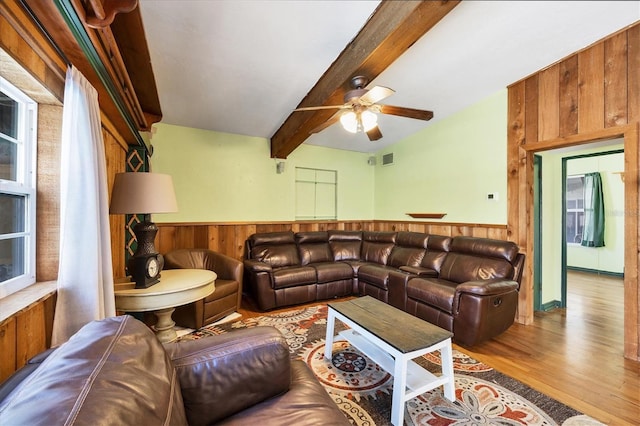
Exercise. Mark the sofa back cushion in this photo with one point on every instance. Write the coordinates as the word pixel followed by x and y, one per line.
pixel 437 248
pixel 409 250
pixel 479 259
pixel 345 245
pixel 377 246
pixel 278 249
pixel 111 371
pixel 313 247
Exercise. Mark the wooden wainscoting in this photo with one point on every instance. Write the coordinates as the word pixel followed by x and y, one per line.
pixel 590 96
pixel 26 334
pixel 229 238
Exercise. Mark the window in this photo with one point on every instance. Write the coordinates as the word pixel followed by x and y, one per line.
pixel 316 194
pixel 575 209
pixel 18 114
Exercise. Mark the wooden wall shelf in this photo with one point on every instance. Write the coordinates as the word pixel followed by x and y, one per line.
pixel 427 215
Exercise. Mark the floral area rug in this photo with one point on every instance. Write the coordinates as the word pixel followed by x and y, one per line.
pixel 363 390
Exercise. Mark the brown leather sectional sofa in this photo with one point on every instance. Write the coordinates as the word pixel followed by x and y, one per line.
pixel 115 371
pixel 466 285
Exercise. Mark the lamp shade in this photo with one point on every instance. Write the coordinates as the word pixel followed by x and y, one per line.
pixel 143 193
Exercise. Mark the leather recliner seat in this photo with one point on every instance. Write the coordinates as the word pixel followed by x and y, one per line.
pixel 227 296
pixel 115 371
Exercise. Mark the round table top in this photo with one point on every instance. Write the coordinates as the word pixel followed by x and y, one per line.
pixel 176 287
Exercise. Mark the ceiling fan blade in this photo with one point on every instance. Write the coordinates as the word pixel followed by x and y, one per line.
pixel 406 112
pixel 374 134
pixel 316 108
pixel 376 94
pixel 332 120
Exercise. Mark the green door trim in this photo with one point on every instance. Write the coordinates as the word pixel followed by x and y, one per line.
pixel 537 229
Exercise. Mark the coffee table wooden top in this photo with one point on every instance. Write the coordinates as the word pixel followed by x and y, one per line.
pixel 401 330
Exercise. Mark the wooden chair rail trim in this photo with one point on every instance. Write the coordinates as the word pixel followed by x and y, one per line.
pixel 293 222
pixel 24 299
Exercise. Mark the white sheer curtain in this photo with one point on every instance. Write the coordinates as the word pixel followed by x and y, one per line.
pixel 85 277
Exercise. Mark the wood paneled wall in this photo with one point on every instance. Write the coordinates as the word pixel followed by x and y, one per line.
pixel 590 96
pixel 25 334
pixel 229 238
pixel 29 331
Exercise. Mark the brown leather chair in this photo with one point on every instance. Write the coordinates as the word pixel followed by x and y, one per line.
pixel 223 301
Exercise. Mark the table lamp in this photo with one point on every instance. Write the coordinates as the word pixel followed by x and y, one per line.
pixel 144 193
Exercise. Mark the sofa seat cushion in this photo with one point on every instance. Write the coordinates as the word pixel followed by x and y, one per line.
pixel 293 276
pixel 377 275
pixel 111 371
pixel 306 403
pixel 332 271
pixel 432 291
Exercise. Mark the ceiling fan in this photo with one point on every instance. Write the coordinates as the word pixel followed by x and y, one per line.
pixel 360 109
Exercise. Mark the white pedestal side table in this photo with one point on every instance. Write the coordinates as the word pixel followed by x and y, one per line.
pixel 176 287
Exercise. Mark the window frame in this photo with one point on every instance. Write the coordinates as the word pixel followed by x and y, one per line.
pixel 575 210
pixel 24 185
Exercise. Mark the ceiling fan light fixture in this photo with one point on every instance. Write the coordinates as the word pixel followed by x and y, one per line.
pixel 369 120
pixel 349 121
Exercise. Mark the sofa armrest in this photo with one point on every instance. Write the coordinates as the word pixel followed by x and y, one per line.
pixel 487 287
pixel 257 266
pixel 420 271
pixel 227 267
pixel 224 374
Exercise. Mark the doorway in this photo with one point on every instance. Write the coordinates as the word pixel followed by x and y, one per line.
pixel 557 248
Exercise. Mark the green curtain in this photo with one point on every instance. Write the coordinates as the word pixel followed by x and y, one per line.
pixel 593 235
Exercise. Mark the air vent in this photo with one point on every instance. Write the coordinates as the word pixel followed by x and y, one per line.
pixel 387 159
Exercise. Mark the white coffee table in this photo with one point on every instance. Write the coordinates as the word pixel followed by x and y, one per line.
pixel 392 339
pixel 176 287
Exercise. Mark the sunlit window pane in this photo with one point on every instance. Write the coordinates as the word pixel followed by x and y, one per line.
pixel 8 159
pixel 12 219
pixel 12 258
pixel 8 115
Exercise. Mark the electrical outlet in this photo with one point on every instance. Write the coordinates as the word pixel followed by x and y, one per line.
pixel 492 196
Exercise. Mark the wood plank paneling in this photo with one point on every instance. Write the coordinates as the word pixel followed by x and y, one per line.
pixel 591 89
pixel 516 135
pixel 526 99
pixel 615 80
pixel 633 76
pixel 30 327
pixel 549 103
pixel 569 96
pixel 8 344
pixel 599 89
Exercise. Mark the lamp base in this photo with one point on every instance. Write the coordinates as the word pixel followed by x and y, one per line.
pixel 146 263
pixel 145 233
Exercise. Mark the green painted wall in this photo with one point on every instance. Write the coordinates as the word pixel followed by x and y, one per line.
pixel 226 177
pixel 449 167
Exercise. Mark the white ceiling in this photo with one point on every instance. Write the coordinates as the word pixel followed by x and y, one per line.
pixel 242 66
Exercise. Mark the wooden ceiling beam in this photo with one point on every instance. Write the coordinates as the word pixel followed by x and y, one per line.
pixel 390 31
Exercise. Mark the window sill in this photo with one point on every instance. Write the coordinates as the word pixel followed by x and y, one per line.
pixel 23 299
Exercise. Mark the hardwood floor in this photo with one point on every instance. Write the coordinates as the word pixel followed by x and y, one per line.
pixel 574 355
